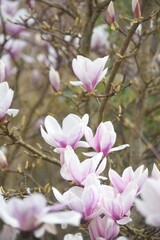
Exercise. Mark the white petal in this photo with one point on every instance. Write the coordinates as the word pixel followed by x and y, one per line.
pixel 101 166
pixel 82 144
pixel 12 112
pixel 67 217
pixel 85 119
pixel 57 195
pixel 48 138
pixel 76 83
pixel 118 148
pixel 77 236
pixel 4 87
pixel 90 154
pixel 52 125
pixel 69 122
pixel 124 220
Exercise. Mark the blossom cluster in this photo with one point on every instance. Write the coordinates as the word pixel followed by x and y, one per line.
pixel 99 200
pixel 102 202
pixel 104 208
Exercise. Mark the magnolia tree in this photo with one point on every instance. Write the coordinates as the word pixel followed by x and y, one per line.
pixel 79 105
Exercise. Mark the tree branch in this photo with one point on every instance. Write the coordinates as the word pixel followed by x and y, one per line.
pixel 19 141
pixel 115 69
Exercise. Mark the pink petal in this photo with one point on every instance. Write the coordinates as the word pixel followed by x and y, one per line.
pixel 116 180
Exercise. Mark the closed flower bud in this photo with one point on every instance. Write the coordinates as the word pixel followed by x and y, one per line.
pixel 136 9
pixel 110 14
pixel 54 79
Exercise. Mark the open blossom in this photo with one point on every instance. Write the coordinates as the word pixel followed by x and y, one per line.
pixel 11 27
pixel 14 47
pixel 103 228
pixel 6 97
pixel 76 171
pixel 71 132
pixel 11 13
pixel 89 73
pixel 82 200
pixel 32 214
pixel 103 140
pixel 54 79
pixel 149 205
pixel 120 183
pixel 99 40
pixel 116 205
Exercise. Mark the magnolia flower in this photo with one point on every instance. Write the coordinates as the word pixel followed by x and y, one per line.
pixel 2 71
pixel 117 206
pixel 76 171
pixel 103 140
pixel 71 132
pixel 8 8
pixel 6 97
pixel 136 9
pixel 11 12
pixel 14 46
pixel 77 236
pixel 149 205
pixel 31 214
pixel 90 73
pixel 110 14
pixel 12 28
pixel 128 175
pixel 54 79
pixel 99 40
pixel 103 228
pixel 82 200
